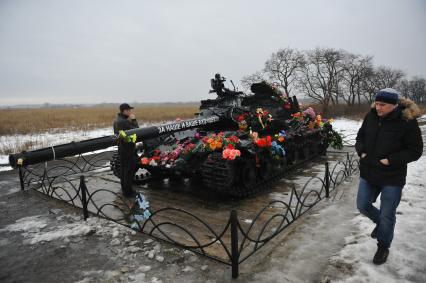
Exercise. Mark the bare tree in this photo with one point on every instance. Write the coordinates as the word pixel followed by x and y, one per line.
pixel 404 88
pixel 284 67
pixel 418 89
pixel 382 77
pixel 247 81
pixel 321 75
pixel 414 89
pixel 356 69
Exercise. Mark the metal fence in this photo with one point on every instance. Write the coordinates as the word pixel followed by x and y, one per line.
pixel 66 180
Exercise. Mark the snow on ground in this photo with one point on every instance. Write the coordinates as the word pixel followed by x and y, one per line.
pixel 32 228
pixel 347 128
pixel 406 259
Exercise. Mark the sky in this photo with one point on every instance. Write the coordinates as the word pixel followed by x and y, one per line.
pixel 157 51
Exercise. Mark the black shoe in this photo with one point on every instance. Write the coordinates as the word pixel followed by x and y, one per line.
pixel 374 233
pixel 381 255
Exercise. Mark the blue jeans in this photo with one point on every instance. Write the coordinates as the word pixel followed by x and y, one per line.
pixel 385 217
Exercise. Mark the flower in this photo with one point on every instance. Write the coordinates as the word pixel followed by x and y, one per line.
pixel 277 149
pixel 147 214
pixel 287 105
pixel 264 142
pixel 230 154
pixel 225 153
pixel 145 161
pixel 318 120
pixel 142 202
pixel 310 113
pixel 242 117
pixel 242 125
pixel 233 139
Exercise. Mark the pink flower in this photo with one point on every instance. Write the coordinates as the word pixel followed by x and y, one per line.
pixel 310 112
pixel 225 153
pixel 230 154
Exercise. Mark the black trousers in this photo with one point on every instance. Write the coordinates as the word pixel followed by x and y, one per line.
pixel 127 157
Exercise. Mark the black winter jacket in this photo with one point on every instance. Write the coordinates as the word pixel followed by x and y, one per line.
pixel 121 123
pixel 397 137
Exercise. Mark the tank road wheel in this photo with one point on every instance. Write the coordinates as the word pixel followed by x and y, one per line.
pixel 248 175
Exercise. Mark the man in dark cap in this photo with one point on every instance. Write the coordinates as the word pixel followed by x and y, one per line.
pixel 388 139
pixel 126 120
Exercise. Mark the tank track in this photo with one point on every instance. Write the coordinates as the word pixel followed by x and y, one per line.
pixel 219 174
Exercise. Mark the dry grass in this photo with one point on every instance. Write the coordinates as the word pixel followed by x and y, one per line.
pixel 32 121
pixel 422 107
pixel 354 112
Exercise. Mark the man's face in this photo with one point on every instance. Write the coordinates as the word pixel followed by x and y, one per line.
pixel 127 112
pixel 383 108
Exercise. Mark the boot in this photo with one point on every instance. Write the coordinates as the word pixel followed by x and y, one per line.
pixel 381 255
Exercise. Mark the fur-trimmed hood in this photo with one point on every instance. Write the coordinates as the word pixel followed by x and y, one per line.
pixel 409 108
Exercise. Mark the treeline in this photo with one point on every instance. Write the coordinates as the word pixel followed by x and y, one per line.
pixel 333 77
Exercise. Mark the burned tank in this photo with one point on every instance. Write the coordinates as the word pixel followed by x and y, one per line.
pixel 237 144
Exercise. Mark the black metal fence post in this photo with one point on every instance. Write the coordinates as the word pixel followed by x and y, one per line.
pixel 235 257
pixel 347 164
pixel 21 178
pixel 83 189
pixel 327 180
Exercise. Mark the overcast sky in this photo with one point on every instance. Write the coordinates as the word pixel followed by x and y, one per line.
pixel 154 51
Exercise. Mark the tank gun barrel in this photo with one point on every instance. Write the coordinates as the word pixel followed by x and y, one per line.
pixel 74 148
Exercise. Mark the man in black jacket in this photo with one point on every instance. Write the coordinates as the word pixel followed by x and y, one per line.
pixel 388 139
pixel 126 120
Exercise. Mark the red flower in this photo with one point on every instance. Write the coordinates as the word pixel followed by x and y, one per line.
pixel 156 158
pixel 264 142
pixel 230 146
pixel 241 118
pixel 234 139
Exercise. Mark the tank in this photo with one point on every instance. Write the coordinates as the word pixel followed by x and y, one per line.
pixel 237 144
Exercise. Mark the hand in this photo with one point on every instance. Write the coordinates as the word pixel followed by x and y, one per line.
pixel 384 161
pixel 132 116
pixel 363 155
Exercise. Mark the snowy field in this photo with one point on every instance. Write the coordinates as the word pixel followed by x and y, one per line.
pixel 48 139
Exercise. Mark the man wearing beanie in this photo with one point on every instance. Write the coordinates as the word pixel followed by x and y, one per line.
pixel 388 139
